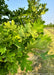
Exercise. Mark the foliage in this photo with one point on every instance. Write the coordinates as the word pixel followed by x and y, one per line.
pixel 32 14
pixel 21 37
pixel 49 25
pixel 4 11
pixel 17 41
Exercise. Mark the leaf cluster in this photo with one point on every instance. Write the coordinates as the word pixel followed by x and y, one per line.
pixel 16 42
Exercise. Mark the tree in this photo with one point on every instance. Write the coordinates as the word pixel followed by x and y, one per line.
pixel 17 40
pixel 33 13
pixel 36 9
pixel 4 11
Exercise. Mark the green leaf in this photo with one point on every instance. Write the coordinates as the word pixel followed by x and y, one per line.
pixel 10 57
pixel 2 50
